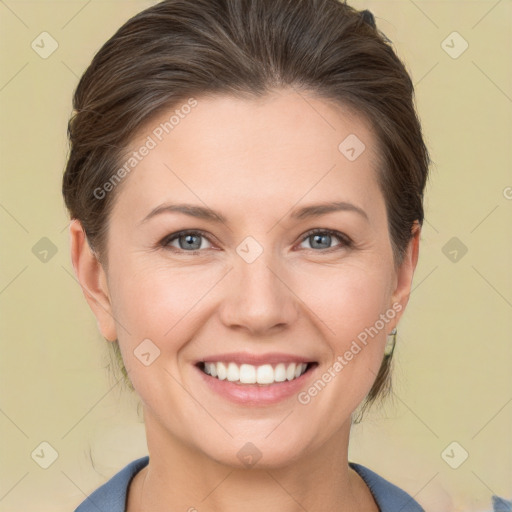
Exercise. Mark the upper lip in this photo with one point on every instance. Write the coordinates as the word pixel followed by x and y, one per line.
pixel 255 359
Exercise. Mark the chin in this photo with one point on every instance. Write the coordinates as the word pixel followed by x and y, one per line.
pixel 277 450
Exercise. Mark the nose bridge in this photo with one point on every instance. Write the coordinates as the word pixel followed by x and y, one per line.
pixel 258 298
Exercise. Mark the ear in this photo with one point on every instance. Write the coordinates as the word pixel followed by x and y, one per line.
pixel 92 279
pixel 405 273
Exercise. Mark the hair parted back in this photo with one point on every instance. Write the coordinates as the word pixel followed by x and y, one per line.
pixel 179 49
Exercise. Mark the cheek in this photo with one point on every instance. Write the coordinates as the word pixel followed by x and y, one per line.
pixel 156 307
pixel 157 302
pixel 352 306
pixel 347 299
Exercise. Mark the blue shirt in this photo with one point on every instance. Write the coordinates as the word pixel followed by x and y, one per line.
pixel 111 496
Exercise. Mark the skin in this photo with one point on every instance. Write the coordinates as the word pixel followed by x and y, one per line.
pixel 253 161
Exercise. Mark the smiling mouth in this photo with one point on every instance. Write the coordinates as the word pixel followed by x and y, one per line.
pixel 263 375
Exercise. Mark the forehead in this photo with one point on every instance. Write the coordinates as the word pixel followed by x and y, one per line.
pixel 240 151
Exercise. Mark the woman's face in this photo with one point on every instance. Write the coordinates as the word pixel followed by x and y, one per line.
pixel 257 294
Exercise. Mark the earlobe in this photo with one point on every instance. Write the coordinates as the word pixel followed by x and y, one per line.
pixel 92 279
pixel 405 272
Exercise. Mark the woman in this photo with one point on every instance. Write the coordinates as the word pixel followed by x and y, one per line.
pixel 245 184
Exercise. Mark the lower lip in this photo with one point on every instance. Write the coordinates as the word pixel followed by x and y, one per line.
pixel 254 394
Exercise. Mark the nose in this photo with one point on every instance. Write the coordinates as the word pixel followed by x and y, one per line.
pixel 260 298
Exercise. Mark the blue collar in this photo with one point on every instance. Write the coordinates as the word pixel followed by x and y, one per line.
pixel 111 496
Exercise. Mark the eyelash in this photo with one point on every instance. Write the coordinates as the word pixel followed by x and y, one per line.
pixel 346 241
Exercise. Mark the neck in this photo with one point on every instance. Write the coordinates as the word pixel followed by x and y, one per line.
pixel 178 477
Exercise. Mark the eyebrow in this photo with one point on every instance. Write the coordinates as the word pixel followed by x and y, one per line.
pixel 204 213
pixel 316 210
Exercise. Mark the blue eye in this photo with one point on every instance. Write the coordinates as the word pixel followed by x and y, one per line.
pixel 322 238
pixel 188 241
pixel 193 241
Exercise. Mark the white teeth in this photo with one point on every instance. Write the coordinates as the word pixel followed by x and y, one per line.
pixel 210 369
pixel 247 374
pixel 290 371
pixel 221 370
pixel 280 373
pixel 265 374
pixel 233 373
pixel 250 374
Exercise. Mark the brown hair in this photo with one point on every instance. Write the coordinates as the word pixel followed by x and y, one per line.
pixel 178 49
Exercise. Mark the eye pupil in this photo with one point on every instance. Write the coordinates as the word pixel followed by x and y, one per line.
pixel 319 238
pixel 192 241
pixel 189 243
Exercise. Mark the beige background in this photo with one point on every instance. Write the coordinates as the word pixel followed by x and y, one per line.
pixel 453 379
